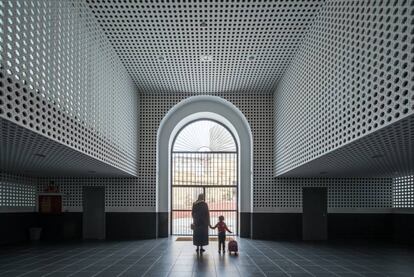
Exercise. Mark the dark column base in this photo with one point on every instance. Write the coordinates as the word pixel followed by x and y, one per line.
pixel 245 225
pixel 162 224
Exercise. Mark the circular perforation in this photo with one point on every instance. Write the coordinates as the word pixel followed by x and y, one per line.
pixel 205 46
pixel 61 78
pixel 352 75
pixel 403 192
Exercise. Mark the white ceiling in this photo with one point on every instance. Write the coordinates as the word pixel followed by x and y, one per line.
pixel 205 47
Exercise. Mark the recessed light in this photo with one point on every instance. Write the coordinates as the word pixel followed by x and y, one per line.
pixel 40 155
pixel 206 58
pixel 377 156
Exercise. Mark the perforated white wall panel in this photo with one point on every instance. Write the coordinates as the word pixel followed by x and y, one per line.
pixel 280 194
pixel 352 75
pixel 121 194
pixel 17 193
pixel 257 108
pixel 403 192
pixel 61 78
pixel 268 193
pixel 342 193
pixel 205 46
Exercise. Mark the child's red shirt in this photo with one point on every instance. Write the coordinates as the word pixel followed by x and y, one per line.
pixel 222 227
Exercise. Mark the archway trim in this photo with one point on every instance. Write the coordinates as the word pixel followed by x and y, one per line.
pixel 190 109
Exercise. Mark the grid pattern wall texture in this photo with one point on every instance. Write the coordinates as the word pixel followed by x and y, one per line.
pixel 205 46
pixel 17 192
pixel 403 192
pixel 61 78
pixel 282 194
pixel 121 194
pixel 352 75
pixel 268 192
pixel 342 192
pixel 258 110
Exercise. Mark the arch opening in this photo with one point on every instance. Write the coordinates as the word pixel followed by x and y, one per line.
pixel 204 159
pixel 225 113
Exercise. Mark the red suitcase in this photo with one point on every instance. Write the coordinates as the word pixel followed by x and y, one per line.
pixel 233 247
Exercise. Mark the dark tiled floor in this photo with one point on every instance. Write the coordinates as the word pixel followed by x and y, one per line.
pixel 166 257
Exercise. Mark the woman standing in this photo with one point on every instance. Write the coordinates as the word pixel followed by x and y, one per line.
pixel 201 222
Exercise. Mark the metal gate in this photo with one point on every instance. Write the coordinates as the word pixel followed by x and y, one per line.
pixel 213 173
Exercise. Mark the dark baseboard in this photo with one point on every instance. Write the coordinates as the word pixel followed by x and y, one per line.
pixel 359 226
pixel 277 226
pixel 288 226
pixel 403 228
pixel 268 226
pixel 15 227
pixel 57 227
pixel 131 225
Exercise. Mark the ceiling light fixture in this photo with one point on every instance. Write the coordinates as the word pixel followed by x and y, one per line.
pixel 251 58
pixel 206 58
pixel 161 58
pixel 203 24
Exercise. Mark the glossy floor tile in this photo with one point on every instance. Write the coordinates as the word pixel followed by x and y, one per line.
pixel 167 257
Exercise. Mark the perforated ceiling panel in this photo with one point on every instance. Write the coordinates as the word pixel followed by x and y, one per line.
pixel 205 46
pixel 353 75
pixel 387 152
pixel 61 78
pixel 26 152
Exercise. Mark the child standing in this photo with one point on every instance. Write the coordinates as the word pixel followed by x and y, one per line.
pixel 222 228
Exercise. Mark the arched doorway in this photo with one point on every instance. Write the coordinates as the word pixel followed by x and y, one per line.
pixel 186 111
pixel 204 159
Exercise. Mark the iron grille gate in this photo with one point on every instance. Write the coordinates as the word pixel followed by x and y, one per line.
pixel 213 173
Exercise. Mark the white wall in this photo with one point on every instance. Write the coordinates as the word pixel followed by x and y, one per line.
pixel 61 78
pixel 351 76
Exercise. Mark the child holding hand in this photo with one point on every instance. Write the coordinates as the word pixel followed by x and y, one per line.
pixel 222 228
